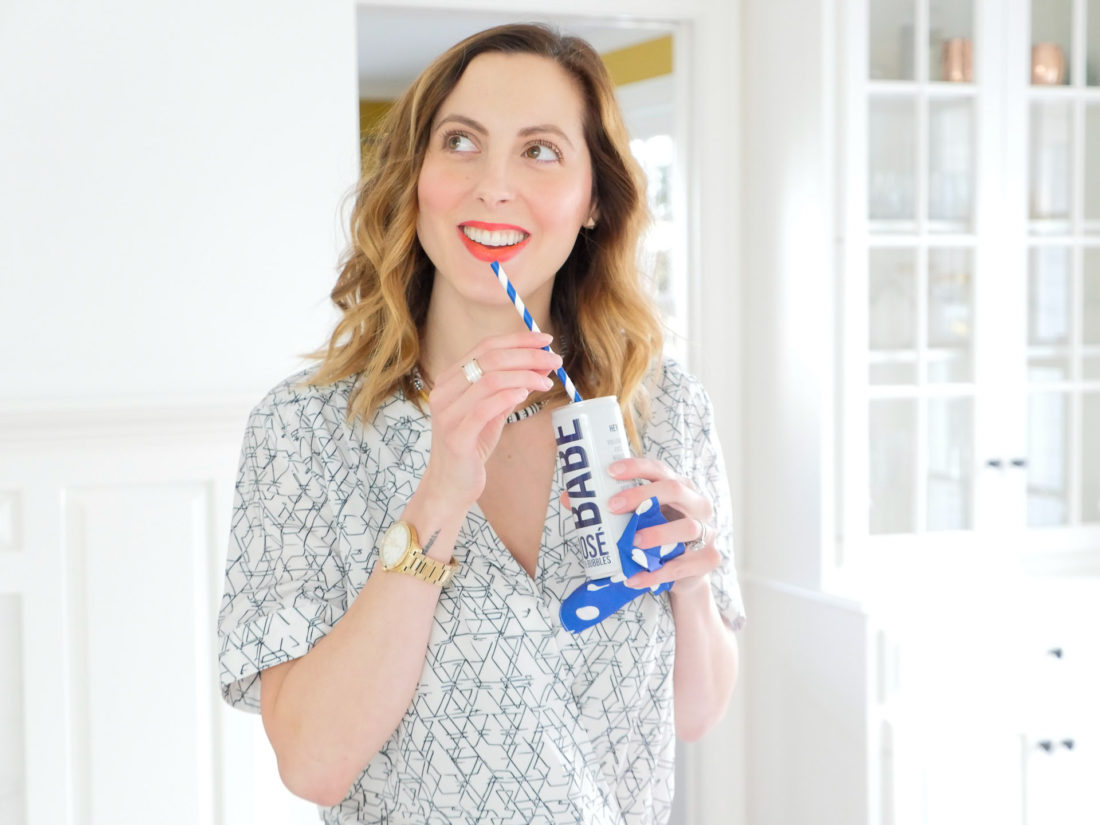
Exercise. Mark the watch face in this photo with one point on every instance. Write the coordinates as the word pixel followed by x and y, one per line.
pixel 394 543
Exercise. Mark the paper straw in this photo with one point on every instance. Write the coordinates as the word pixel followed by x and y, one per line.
pixel 517 302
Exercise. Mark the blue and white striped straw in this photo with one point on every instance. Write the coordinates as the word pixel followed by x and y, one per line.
pixel 521 308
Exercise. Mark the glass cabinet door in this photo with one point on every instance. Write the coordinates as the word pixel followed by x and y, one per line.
pixel 1063 341
pixel 972 272
pixel 920 267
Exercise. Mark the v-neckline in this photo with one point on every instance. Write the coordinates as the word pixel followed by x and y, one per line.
pixel 552 519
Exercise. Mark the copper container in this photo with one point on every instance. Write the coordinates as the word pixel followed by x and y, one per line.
pixel 957 63
pixel 1048 64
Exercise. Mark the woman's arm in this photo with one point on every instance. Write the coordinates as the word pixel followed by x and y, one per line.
pixel 705 670
pixel 330 711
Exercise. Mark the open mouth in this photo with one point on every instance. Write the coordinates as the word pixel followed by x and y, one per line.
pixel 493 244
pixel 494 238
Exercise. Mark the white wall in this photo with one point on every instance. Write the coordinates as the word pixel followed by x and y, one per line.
pixel 788 277
pixel 171 175
pixel 170 181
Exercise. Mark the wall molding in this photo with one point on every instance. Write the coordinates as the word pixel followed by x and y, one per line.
pixel 31 424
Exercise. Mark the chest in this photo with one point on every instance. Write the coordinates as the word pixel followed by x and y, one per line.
pixel 519 480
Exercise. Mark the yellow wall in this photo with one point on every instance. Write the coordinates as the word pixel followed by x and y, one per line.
pixel 642 61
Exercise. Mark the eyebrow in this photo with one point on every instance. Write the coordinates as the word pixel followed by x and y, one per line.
pixel 527 131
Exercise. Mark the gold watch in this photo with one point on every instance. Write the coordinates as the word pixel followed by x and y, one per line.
pixel 401 553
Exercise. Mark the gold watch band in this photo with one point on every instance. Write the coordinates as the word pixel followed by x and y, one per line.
pixel 426 568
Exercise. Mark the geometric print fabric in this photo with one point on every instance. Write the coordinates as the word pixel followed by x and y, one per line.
pixel 515 720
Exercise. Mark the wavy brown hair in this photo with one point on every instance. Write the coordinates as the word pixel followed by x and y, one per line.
pixel 603 319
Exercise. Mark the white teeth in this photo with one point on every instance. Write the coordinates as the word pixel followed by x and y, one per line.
pixel 485 237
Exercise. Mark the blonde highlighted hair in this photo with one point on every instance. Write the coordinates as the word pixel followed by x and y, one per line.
pixel 599 309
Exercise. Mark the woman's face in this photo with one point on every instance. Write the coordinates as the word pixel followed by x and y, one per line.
pixel 507 177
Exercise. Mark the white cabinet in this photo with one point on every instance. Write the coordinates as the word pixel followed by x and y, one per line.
pixel 970 400
pixel 970 276
pixel 961 391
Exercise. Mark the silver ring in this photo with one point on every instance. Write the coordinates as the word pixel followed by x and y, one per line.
pixel 703 539
pixel 472 370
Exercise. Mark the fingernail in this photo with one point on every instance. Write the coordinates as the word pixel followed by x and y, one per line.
pixel 616 502
pixel 635 586
pixel 546 383
pixel 616 467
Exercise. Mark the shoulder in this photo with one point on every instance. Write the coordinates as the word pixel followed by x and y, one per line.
pixel 673 391
pixel 295 404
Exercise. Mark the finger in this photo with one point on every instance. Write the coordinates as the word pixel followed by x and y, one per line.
pixel 512 387
pixel 673 492
pixel 453 382
pixel 646 469
pixel 689 565
pixel 519 358
pixel 683 530
pixel 465 428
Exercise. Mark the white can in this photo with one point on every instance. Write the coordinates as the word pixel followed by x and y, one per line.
pixel 590 435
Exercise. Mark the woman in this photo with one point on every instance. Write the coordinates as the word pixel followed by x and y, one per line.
pixel 398 554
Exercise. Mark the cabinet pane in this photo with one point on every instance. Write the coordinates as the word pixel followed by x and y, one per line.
pixel 950 315
pixel 1049 188
pixel 1051 36
pixel 950 39
pixel 890 44
pixel 1092 57
pixel 892 160
pixel 1090 457
pixel 1049 298
pixel 1048 459
pixel 1049 313
pixel 12 793
pixel 950 463
pixel 1092 164
pixel 950 164
pixel 892 426
pixel 1090 298
pixel 903 370
pixel 891 296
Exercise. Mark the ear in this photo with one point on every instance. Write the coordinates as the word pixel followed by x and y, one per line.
pixel 593 217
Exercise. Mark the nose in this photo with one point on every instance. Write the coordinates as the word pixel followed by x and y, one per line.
pixel 495 184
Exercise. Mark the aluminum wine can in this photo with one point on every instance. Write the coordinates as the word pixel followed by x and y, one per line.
pixel 590 435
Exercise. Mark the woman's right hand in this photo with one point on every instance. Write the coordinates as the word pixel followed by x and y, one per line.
pixel 467 419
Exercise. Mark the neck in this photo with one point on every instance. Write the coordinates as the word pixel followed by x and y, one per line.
pixel 455 324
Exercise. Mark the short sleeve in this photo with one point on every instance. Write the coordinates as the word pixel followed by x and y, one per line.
pixel 710 477
pixel 284 581
pixel 684 436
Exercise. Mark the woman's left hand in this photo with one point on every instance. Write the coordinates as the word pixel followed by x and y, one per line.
pixel 689 516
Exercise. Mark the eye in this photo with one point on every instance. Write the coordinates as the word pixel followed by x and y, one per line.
pixel 458 142
pixel 543 151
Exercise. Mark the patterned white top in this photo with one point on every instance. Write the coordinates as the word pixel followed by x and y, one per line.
pixel 515 719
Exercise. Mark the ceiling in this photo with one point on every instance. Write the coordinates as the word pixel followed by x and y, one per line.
pixel 396 44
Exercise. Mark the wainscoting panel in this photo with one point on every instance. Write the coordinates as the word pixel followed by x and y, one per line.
pixel 114 524
pixel 10 519
pixel 12 743
pixel 141 624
